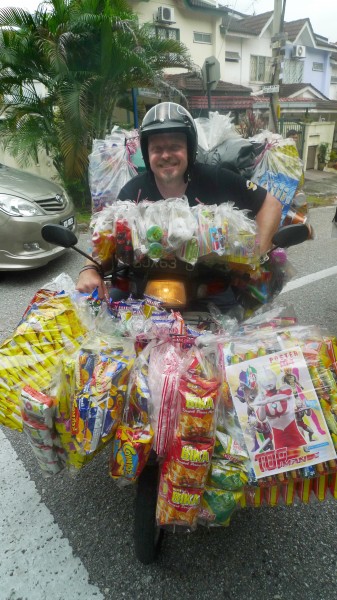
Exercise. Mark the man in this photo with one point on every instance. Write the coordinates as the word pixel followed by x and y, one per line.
pixel 168 139
pixel 293 134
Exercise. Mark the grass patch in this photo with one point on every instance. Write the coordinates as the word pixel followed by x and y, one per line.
pixel 319 201
pixel 83 216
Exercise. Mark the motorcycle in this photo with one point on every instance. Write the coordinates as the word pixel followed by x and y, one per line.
pixel 180 287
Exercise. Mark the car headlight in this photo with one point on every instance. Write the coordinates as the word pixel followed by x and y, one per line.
pixel 18 207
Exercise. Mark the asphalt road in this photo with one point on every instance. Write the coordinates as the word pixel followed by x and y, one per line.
pixel 266 554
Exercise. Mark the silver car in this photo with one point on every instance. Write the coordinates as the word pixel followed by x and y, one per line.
pixel 27 202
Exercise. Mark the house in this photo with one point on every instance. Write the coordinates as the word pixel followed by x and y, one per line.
pixel 197 23
pixel 307 55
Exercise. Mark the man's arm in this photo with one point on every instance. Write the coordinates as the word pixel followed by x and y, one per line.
pixel 268 220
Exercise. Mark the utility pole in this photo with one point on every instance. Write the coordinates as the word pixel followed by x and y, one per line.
pixel 277 42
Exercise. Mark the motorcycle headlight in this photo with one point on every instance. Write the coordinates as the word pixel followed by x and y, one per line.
pixel 18 207
pixel 171 293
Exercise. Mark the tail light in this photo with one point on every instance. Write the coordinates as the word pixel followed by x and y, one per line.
pixel 171 292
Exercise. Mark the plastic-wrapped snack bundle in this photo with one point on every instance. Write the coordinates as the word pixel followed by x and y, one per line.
pixel 37 414
pixel 139 230
pixel 280 171
pixel 130 451
pixel 156 217
pixel 251 345
pixel 124 219
pixel 139 404
pixel 209 239
pixel 181 223
pixel 101 384
pixel 198 395
pixel 189 456
pixel 64 393
pixel 110 169
pixel 164 372
pixel 243 246
pixel 103 233
pixel 50 327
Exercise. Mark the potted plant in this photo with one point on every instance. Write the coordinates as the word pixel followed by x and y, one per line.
pixel 322 155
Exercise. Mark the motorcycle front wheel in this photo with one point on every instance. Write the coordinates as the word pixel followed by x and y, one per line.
pixel 147 535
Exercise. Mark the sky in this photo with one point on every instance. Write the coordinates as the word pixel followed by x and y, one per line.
pixel 322 13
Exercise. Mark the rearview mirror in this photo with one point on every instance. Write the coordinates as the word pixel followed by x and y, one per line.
pixel 59 235
pixel 291 235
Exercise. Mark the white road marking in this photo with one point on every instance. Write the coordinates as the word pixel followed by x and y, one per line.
pixel 36 561
pixel 307 279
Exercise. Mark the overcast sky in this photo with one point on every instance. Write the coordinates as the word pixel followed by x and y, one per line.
pixel 322 13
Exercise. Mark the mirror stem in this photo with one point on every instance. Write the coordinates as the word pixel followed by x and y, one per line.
pixel 88 257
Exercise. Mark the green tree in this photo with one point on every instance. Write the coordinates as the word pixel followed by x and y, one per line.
pixel 63 70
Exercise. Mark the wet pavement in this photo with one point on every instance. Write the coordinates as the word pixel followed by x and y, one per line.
pixel 321 183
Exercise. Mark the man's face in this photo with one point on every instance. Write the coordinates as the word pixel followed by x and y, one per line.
pixel 168 156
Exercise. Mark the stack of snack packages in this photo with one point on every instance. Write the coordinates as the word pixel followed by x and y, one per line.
pixel 187 463
pixel 133 439
pixel 90 394
pixel 49 329
pixel 167 228
pixel 320 354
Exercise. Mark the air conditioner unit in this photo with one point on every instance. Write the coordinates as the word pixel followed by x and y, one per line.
pixel 165 14
pixel 299 51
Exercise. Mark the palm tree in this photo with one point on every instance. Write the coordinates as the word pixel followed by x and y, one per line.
pixel 85 55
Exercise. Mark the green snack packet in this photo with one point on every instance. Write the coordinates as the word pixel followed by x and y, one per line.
pixel 217 506
pixel 226 476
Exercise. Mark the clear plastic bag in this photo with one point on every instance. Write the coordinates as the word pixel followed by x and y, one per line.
pixel 110 168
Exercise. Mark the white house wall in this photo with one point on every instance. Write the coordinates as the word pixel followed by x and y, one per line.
pixel 248 46
pixel 188 22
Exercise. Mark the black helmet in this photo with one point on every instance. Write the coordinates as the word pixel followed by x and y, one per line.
pixel 169 117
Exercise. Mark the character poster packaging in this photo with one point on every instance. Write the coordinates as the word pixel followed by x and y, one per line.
pixel 279 413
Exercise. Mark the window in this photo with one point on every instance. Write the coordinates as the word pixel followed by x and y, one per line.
pixel 232 56
pixel 260 68
pixel 202 38
pixel 168 33
pixel 293 71
pixel 333 79
pixel 317 66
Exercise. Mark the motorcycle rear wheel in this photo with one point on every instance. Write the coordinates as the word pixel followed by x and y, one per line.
pixel 148 536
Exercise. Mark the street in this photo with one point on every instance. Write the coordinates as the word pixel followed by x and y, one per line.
pixel 70 536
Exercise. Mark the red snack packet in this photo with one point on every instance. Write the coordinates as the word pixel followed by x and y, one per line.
pixel 197 413
pixel 188 462
pixel 177 505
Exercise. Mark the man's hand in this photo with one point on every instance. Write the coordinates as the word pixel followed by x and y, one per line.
pixel 90 280
pixel 268 221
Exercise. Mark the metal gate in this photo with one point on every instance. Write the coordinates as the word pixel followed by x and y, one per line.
pixel 287 125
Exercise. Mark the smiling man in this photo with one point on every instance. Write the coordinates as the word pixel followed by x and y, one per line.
pixel 169 143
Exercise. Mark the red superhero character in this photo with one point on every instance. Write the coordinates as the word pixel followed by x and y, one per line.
pixel 247 392
pixel 291 377
pixel 277 406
